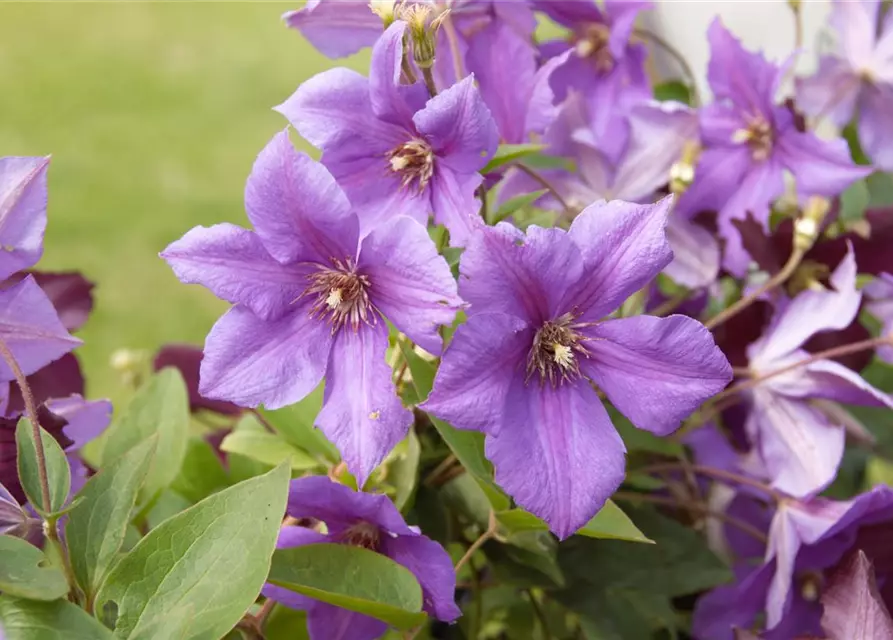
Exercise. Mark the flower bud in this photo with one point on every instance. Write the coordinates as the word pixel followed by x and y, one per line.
pixel 808 226
pixel 14 520
pixel 682 173
pixel 423 28
pixel 385 10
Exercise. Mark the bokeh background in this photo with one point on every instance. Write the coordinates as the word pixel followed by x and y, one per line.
pixel 153 113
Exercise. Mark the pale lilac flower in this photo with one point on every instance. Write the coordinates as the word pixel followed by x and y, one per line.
pixel 513 86
pixel 799 444
pixel 631 161
pixel 750 141
pixel 807 541
pixel 393 151
pixel 29 326
pixel 370 521
pixel 520 368
pixel 14 519
pixel 311 296
pixel 880 295
pixel 859 80
pixel 852 605
pixel 597 58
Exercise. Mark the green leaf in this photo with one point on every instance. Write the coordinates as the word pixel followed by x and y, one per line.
pixel 403 470
pixel 609 523
pixel 252 440
pixel 295 423
pixel 202 473
pixel 285 623
pixel 507 153
pixel 881 187
pixel 26 572
pixel 59 620
pixel 511 205
pixel 528 560
pixel 673 90
pixel 853 201
pixel 58 473
pixel 613 524
pixel 196 574
pixel 351 578
pixel 96 527
pixel 160 406
pixel 422 371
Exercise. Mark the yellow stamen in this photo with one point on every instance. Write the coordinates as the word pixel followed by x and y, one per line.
pixel 334 298
pixel 564 356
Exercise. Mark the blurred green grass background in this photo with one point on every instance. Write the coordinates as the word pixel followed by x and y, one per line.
pixel 154 113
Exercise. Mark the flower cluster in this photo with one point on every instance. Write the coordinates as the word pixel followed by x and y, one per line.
pixel 651 206
pixel 521 284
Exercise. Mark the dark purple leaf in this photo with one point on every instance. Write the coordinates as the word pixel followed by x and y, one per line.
pixel 69 291
pixel 187 359
pixel 58 379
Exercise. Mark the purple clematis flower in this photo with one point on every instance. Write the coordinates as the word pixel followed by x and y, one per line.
pixel 366 520
pixel 860 80
pixel 513 87
pixel 808 541
pixel 597 57
pixel 798 442
pixel 632 161
pixel 311 295
pixel 29 326
pixel 521 368
pixel 749 141
pixel 339 28
pixel 392 152
pixel 880 294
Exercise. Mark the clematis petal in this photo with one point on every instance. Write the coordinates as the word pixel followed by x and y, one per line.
pixel 718 174
pixel 376 193
pixel 86 419
pixel 341 507
pixel 455 204
pixel 559 456
pixel 23 212
pixel 433 568
pixel 31 329
pixel 875 132
pixel 361 412
pixel 504 271
pixel 807 314
pixel 71 295
pixel 297 209
pixel 333 623
pixel 412 285
pixel 820 167
pixel 233 264
pixel 622 15
pixel 570 13
pixel 720 611
pixel 497 48
pixel 658 135
pixel 393 101
pixel 337 28
pixel 801 450
pixel 746 78
pixel 250 361
pixel 853 588
pixel 832 380
pixel 831 92
pixel 675 358
pixel 333 111
pixel 477 370
pixel 695 254
pixel 856 25
pixel 459 127
pixel 624 246
pixel 290 537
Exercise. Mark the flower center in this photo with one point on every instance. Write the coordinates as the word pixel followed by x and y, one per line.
pixel 810 586
pixel 362 534
pixel 758 134
pixel 592 43
pixel 413 161
pixel 342 295
pixel 556 350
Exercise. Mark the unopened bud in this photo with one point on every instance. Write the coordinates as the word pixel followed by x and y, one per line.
pixel 809 224
pixel 423 27
pixel 682 173
pixel 794 5
pixel 384 9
